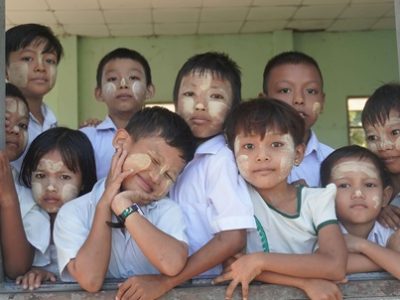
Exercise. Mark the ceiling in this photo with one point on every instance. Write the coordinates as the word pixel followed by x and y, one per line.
pixel 109 18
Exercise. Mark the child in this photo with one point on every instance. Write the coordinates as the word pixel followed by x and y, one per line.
pixel 210 191
pixel 363 187
pixel 150 153
pixel 16 250
pixel 266 136
pixel 381 122
pixel 32 56
pixel 58 167
pixel 123 83
pixel 296 79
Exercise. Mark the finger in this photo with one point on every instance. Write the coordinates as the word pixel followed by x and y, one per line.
pixel 52 277
pixel 31 280
pixel 245 290
pixel 223 277
pixel 131 294
pixel 18 280
pixel 230 289
pixel 121 290
pixel 37 282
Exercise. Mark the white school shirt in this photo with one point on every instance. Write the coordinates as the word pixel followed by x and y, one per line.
pixel 212 195
pixel 293 233
pixel 308 170
pixel 379 235
pixel 36 222
pixel 74 222
pixel 101 138
pixel 35 128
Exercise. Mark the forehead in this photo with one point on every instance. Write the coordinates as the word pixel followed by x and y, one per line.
pixel 392 119
pixel 290 71
pixel 355 165
pixel 205 77
pixel 123 64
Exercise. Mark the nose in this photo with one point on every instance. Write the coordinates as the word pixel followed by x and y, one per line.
pixel 14 129
pixel 123 84
pixel 199 105
pixel 39 64
pixel 298 98
pixel 51 185
pixel 155 175
pixel 357 193
pixel 386 144
pixel 262 156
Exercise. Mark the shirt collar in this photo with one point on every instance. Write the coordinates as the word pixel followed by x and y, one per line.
pixel 106 124
pixel 212 145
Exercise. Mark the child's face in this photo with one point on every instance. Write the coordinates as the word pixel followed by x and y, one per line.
pixel 265 162
pixel 53 183
pixel 204 101
pixel 17 120
pixel 32 70
pixel 384 140
pixel 156 166
pixel 300 86
pixel 123 86
pixel 360 194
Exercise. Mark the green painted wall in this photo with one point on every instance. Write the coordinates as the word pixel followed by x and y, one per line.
pixel 353 64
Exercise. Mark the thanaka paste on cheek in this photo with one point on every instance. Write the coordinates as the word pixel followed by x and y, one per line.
pixel 243 165
pixel 216 109
pixel 18 74
pixel 139 90
pixel 187 106
pixel 109 89
pixel 137 162
pixel 288 156
pixel 341 169
pixel 69 192
pixel 316 108
pixel 37 191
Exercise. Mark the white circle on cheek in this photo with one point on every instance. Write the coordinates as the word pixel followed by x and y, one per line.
pixel 243 165
pixel 109 89
pixel 37 191
pixel 24 138
pixel 137 162
pixel 163 189
pixel 139 90
pixel 52 75
pixel 316 108
pixel 216 109
pixel 187 105
pixel 18 74
pixel 69 192
pixel 376 201
pixel 372 146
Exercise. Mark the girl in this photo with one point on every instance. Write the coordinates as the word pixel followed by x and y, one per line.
pixel 363 187
pixel 58 167
pixel 266 136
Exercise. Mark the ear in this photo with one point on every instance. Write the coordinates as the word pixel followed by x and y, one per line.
pixel 150 91
pixel 262 95
pixel 121 139
pixel 98 94
pixel 299 155
pixel 387 195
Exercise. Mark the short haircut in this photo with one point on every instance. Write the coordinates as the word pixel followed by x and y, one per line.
pixel 75 149
pixel 356 152
pixel 256 116
pixel 21 36
pixel 123 53
pixel 14 92
pixel 161 122
pixel 219 64
pixel 378 106
pixel 288 58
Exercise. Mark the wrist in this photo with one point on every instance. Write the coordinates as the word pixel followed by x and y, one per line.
pixel 124 214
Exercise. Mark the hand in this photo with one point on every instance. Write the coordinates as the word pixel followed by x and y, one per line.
pixel 243 271
pixel 353 243
pixel 127 198
pixel 322 289
pixel 390 217
pixel 227 263
pixel 145 287
pixel 92 122
pixel 34 278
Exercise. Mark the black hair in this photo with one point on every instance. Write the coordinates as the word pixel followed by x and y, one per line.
pixel 256 116
pixel 13 91
pixel 380 103
pixel 219 64
pixel 123 53
pixel 75 149
pixel 22 36
pixel 159 121
pixel 353 151
pixel 286 58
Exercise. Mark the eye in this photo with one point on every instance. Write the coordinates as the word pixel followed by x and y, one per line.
pixel 65 177
pixel 284 91
pixel 188 94
pixel 134 78
pixel 217 96
pixel 276 144
pixel 370 185
pixel 27 58
pixel 39 175
pixel 372 138
pixel 248 146
pixel 343 185
pixel 169 177
pixel 155 161
pixel 23 126
pixel 111 79
pixel 312 91
pixel 395 131
pixel 51 61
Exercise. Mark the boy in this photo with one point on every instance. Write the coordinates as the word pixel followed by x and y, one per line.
pixel 210 191
pixel 381 122
pixel 296 79
pixel 32 56
pixel 150 153
pixel 123 83
pixel 266 136
pixel 17 252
